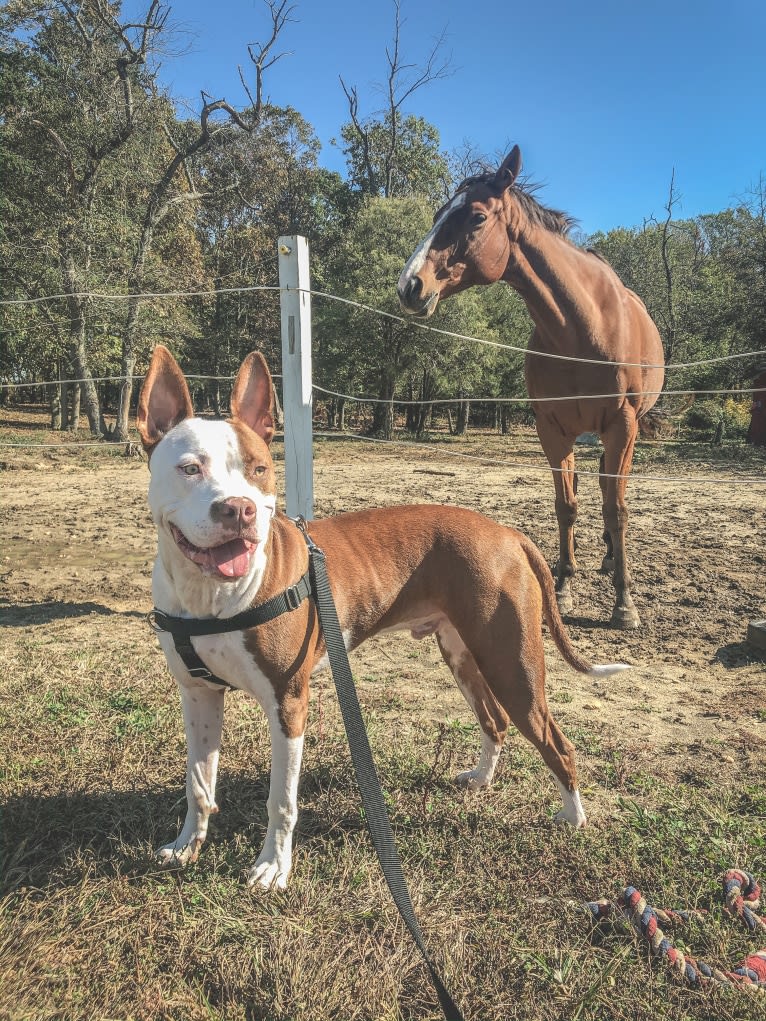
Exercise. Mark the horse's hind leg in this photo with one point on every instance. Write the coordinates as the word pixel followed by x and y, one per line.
pixel 607 564
pixel 492 718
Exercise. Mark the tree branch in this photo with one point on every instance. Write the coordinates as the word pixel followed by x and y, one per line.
pixel 398 92
pixel 259 52
pixel 62 150
pixel 362 133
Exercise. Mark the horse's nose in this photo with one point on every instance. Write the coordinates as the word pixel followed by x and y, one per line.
pixel 411 293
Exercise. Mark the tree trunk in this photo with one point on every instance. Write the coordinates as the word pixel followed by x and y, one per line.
pixel 127 368
pixel 463 411
pixel 73 422
pixel 279 415
pixel 505 420
pixel 383 414
pixel 56 406
pixel 86 389
pixel 424 419
pixel 412 409
pixel 76 308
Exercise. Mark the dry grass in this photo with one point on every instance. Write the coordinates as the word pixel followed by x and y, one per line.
pixel 91 928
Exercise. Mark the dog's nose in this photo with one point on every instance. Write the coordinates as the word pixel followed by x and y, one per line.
pixel 236 512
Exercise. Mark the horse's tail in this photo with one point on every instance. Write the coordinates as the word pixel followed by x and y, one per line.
pixel 660 419
pixel 553 619
pixel 650 424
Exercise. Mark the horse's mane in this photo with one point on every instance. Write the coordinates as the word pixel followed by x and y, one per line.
pixel 524 192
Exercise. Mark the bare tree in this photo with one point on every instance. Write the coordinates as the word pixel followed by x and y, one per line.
pixel 165 194
pixel 402 81
pixel 673 309
pixel 670 311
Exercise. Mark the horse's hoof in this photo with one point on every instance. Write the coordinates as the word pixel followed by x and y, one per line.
pixel 607 566
pixel 565 603
pixel 626 618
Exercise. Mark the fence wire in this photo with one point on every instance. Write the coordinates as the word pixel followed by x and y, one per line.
pixel 408 321
pixel 162 295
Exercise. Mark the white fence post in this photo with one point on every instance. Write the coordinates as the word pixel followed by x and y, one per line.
pixel 295 305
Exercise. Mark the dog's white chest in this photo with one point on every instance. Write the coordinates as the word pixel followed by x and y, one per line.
pixel 227 657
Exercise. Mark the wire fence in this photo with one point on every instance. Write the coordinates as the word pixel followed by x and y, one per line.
pixel 738 479
pixel 366 399
pixel 409 321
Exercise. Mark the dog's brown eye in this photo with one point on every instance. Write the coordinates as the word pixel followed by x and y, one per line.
pixel 478 219
pixel 260 469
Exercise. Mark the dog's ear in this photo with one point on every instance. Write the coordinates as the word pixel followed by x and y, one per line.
pixel 164 400
pixel 252 399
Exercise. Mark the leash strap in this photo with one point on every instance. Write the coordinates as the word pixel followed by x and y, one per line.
pixel 183 629
pixel 364 767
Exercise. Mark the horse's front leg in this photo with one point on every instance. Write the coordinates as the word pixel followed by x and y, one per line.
pixel 565 483
pixel 616 464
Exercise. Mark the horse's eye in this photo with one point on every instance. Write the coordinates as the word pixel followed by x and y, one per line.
pixel 478 219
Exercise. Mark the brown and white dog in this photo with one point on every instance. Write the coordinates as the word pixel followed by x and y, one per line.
pixel 223 547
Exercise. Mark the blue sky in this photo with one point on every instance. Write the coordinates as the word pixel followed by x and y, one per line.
pixel 605 99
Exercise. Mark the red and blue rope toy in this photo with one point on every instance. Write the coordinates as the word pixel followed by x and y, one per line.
pixel 742 895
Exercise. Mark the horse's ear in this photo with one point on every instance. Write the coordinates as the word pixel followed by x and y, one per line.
pixel 252 399
pixel 164 400
pixel 509 169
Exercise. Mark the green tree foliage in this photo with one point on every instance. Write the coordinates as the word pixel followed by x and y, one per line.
pixel 416 167
pixel 707 294
pixel 106 188
pixel 84 131
pixel 261 186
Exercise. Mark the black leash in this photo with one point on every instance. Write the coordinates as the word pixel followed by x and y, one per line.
pixel 364 766
pixel 316 583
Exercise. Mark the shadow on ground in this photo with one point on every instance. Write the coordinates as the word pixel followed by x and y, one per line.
pixel 23 614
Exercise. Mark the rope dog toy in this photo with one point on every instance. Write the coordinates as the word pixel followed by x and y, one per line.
pixel 741 893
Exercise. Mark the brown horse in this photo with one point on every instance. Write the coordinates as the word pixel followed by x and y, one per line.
pixel 492 229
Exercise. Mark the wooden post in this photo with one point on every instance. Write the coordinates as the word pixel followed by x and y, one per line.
pixel 295 305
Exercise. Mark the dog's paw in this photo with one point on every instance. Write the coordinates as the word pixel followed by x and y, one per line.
pixel 473 779
pixel 178 855
pixel 268 875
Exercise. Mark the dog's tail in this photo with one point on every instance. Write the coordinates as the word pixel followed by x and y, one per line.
pixel 556 624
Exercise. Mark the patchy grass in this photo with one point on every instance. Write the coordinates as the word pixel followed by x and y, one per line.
pixel 90 927
pixel 92 769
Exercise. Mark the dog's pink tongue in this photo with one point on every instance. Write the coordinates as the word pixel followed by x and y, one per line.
pixel 232 558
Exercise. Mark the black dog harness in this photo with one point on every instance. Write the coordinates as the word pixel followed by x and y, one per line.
pixel 183 629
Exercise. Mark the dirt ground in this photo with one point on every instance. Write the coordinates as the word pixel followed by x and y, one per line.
pixel 78 543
